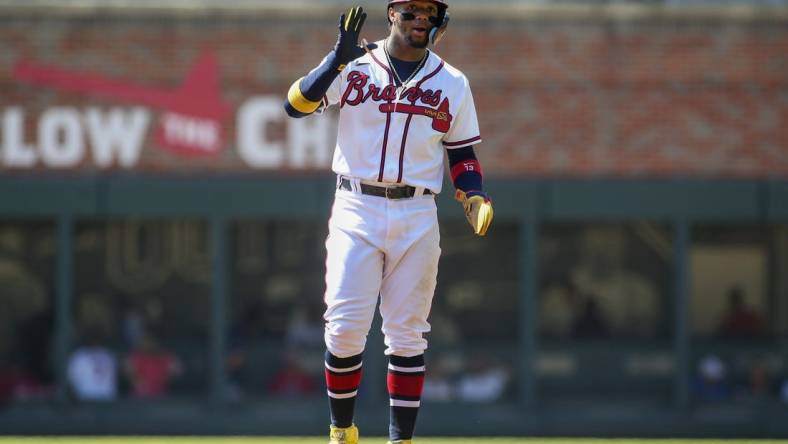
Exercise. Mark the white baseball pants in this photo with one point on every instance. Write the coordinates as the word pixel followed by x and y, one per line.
pixel 386 247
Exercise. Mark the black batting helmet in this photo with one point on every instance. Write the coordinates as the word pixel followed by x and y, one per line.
pixel 439 27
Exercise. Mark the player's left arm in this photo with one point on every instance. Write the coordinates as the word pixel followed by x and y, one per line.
pixel 466 174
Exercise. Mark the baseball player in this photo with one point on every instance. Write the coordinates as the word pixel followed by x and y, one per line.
pixel 400 107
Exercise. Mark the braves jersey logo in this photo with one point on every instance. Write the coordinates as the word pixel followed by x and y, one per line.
pixel 359 90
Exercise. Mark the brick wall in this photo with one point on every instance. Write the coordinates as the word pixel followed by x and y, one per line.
pixel 558 94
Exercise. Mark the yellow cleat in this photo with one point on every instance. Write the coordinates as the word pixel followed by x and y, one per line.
pixel 339 435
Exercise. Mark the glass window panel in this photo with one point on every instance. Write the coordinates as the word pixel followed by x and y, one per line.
pixel 729 281
pixel 477 299
pixel 275 345
pixel 780 278
pixel 605 281
pixel 141 309
pixel 27 270
pixel 737 274
pixel 474 341
pixel 779 296
pixel 605 311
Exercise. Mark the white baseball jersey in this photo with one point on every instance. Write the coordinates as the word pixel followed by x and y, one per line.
pixel 397 135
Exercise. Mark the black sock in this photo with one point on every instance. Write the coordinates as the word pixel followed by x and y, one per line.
pixel 343 376
pixel 405 382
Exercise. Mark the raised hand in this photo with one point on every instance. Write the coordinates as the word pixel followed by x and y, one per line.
pixel 347 48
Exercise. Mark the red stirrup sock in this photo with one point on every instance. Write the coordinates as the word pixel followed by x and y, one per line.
pixel 343 376
pixel 405 382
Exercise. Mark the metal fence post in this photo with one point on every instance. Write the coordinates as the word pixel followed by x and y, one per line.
pixel 681 337
pixel 64 290
pixel 218 332
pixel 529 237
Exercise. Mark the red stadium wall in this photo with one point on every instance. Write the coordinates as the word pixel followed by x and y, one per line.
pixel 560 93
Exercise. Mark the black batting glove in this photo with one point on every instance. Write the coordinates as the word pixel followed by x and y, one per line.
pixel 347 48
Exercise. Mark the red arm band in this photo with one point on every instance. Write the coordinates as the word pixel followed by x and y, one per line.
pixel 468 165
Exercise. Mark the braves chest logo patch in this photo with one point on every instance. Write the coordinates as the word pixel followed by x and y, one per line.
pixel 360 89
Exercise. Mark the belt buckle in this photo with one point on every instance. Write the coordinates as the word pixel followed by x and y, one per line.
pixel 390 189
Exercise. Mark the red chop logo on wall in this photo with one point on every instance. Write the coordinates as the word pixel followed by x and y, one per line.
pixel 192 113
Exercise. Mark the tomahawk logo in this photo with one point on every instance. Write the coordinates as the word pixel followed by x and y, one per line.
pixel 191 114
pixel 191 120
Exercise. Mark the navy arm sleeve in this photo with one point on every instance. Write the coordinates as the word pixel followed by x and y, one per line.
pixel 465 169
pixel 315 84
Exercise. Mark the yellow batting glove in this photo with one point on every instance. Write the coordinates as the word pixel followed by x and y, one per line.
pixel 478 209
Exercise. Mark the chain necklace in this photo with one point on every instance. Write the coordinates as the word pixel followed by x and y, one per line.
pixel 401 88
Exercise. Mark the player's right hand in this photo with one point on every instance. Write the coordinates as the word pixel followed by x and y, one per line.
pixel 347 48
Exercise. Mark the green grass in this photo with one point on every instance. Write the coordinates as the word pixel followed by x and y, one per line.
pixel 365 440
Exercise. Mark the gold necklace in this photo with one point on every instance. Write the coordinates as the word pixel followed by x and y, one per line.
pixel 401 88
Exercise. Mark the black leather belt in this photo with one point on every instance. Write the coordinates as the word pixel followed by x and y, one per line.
pixel 402 192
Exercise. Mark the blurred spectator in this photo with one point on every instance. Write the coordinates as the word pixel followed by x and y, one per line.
pixel 292 380
pixel 35 341
pixel 26 369
pixel 242 333
pixel 95 309
pixel 443 329
pixel 485 380
pixel 590 324
pixel 438 384
pixel 34 374
pixel 629 300
pixel 235 364
pixel 740 321
pixel 92 369
pixel 558 310
pixel 711 382
pixel 133 327
pixel 151 368
pixel 759 384
pixel 784 391
pixel 8 380
pixel 25 316
pixel 306 326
